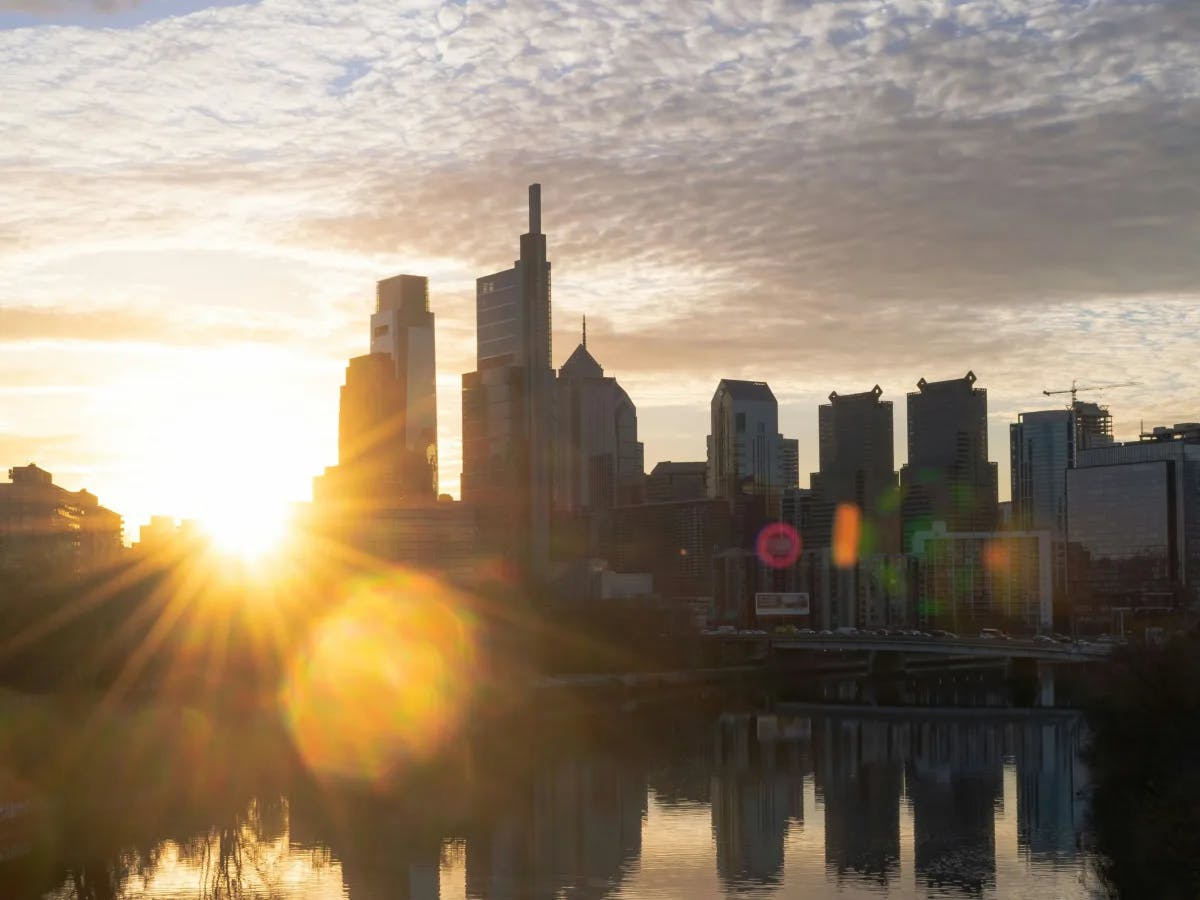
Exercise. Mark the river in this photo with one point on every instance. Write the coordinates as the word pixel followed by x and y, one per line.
pixel 696 797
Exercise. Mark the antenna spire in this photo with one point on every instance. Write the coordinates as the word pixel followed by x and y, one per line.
pixel 535 209
pixel 585 332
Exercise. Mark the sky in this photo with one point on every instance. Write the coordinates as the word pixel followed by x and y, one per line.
pixel 196 200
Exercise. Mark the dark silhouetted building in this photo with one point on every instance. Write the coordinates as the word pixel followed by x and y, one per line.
pixel 857 467
pixel 948 477
pixel 675 541
pixel 46 529
pixel 508 407
pixel 746 452
pixel 677 481
pixel 1133 527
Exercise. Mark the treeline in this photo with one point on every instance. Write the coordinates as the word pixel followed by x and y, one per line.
pixel 174 626
pixel 1145 765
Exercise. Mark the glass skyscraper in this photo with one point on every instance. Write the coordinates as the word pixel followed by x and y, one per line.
pixel 508 407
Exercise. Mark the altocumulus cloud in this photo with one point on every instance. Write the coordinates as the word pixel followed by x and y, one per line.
pixel 825 194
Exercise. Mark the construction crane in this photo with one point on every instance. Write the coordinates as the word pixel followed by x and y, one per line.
pixel 1074 388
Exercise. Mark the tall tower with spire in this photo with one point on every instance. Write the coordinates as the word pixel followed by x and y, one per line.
pixel 508 406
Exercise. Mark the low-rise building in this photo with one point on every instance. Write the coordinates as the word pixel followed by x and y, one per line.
pixel 47 529
pixel 967 580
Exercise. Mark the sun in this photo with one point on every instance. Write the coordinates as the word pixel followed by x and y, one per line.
pixel 249 531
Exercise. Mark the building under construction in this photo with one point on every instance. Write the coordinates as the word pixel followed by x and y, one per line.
pixel 1093 425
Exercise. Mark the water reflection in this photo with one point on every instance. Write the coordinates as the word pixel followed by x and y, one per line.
pixel 663 802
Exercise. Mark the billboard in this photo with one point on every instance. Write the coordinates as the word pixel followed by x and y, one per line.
pixel 772 604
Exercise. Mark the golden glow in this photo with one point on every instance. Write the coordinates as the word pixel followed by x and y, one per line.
pixel 384 680
pixel 220 436
pixel 246 529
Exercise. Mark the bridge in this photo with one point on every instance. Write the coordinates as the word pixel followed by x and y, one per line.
pixel 996 648
pixel 894 654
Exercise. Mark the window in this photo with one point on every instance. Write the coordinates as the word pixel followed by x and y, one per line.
pixel 380 331
pixel 740 423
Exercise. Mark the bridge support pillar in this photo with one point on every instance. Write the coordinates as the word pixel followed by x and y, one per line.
pixel 1045 677
pixel 1032 682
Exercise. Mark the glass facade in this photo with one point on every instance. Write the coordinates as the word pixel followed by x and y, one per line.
pixel 1122 541
pixel 1042 446
pixel 499 317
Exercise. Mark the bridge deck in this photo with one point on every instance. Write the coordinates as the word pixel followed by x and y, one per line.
pixel 977 647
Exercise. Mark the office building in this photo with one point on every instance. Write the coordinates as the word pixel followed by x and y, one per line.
pixel 47 530
pixel 508 407
pixel 858 468
pixel 675 541
pixel 948 477
pixel 972 580
pixel 402 327
pixel 1133 528
pixel 1042 448
pixel 677 481
pixel 599 460
pixel 746 453
pixel 387 414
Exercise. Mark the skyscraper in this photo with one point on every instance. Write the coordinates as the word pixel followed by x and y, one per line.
pixel 402 327
pixel 948 477
pixel 508 406
pixel 1042 447
pixel 857 467
pixel 599 460
pixel 387 425
pixel 746 452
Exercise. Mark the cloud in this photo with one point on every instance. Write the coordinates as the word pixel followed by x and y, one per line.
pixel 57 7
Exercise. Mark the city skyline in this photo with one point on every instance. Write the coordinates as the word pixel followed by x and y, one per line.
pixel 762 200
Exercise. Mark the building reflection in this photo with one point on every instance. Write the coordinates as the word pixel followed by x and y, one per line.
pixel 1051 782
pixel 955 786
pixel 578 828
pixel 860 776
pixel 757 794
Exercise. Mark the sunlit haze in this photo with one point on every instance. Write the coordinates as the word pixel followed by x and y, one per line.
pixel 824 196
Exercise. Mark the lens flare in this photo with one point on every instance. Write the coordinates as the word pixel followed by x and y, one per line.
pixel 847 533
pixel 384 680
pixel 997 557
pixel 778 545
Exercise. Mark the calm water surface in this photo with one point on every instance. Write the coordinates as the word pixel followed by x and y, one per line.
pixel 659 802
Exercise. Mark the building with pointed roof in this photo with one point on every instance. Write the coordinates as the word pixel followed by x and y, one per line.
pixel 599 461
